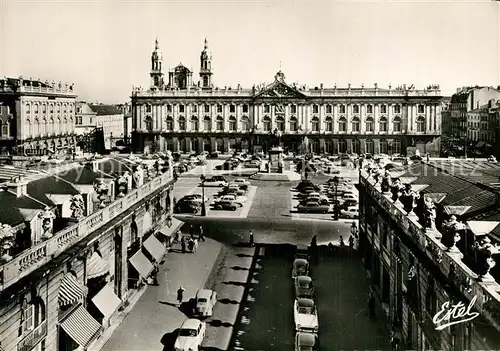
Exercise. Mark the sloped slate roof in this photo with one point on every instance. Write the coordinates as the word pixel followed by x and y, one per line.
pixel 105 110
pixel 10 206
pixel 81 175
pixel 115 168
pixel 38 189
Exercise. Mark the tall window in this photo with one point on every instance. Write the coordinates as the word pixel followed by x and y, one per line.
pixel 342 109
pixel 51 125
pixel 315 109
pixel 293 124
pixel 169 125
pixel 342 146
pixel 245 108
pixel 51 108
pixel 149 124
pixel 383 124
pixel 28 317
pixel 328 108
pixel 232 123
pixel 355 109
pixel 219 109
pixel 267 124
pixel 383 108
pixel 315 124
pixel 420 108
pixel 148 108
pixel 396 124
pixel 205 80
pixel 194 108
pixel 207 124
pixel 206 108
pixel 355 146
pixel 245 124
pixel 194 124
pixel 396 146
pixel 369 108
pixel 181 108
pixel 397 108
pixel 329 124
pixel 28 109
pixel 420 124
pixel 383 146
pixel 280 124
pixel 44 108
pixel 219 124
pixel 267 109
pixel 28 128
pixel 169 108
pixel 232 108
pixel 342 124
pixel 369 124
pixel 355 124
pixel 293 109
pixel 369 146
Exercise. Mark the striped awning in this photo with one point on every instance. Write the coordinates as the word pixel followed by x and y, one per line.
pixel 81 326
pixel 96 266
pixel 71 290
pixel 141 264
pixel 155 248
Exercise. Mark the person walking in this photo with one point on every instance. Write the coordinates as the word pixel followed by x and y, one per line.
pixel 356 242
pixel 201 236
pixel 183 245
pixel 341 241
pixel 351 242
pixel 180 295
pixel 191 231
pixel 251 240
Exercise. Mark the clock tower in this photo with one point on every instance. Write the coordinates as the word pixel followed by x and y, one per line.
pixel 156 67
pixel 206 68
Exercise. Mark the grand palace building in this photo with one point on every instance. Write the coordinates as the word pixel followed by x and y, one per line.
pixel 182 115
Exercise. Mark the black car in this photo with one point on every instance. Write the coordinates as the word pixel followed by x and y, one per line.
pixel 186 206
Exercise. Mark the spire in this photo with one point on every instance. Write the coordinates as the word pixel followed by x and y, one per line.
pixel 157 44
pixel 206 44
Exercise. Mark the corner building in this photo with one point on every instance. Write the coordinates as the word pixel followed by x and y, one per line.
pixel 183 116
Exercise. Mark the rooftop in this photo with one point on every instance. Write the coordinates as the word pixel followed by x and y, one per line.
pixel 105 110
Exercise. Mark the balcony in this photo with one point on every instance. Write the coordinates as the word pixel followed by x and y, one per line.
pixel 41 253
pixel 33 338
pixel 487 293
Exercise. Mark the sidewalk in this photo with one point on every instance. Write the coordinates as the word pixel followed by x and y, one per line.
pixel 155 315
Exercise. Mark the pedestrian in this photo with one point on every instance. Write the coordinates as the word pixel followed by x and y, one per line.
pixel 351 242
pixel 314 242
pixel 341 241
pixel 183 245
pixel 191 231
pixel 191 245
pixel 251 240
pixel 356 242
pixel 202 235
pixel 180 295
pixel 395 339
pixel 156 270
pixel 178 237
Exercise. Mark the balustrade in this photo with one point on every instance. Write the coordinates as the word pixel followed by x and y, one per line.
pixel 43 252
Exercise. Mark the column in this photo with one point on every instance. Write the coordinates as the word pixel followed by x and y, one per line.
pixel 376 119
pixel 349 146
pixel 362 118
pixel 213 144
pixel 188 145
pixel 349 118
pixel 175 142
pixel 226 145
pixel 428 118
pixel 437 118
pixel 335 118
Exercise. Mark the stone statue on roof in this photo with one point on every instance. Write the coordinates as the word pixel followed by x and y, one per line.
pixel 77 206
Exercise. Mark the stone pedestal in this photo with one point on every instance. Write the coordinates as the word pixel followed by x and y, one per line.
pixel 276 160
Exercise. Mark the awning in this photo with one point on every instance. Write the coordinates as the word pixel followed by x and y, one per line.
pixel 81 326
pixel 96 266
pixel 106 301
pixel 171 227
pixel 479 228
pixel 71 290
pixel 141 264
pixel 155 248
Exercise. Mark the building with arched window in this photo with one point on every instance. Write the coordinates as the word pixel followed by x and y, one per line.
pixel 325 115
pixel 35 115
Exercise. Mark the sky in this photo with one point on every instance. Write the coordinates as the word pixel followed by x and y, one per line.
pixel 104 47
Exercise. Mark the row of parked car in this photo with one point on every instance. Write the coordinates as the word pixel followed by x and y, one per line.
pixel 232 196
pixel 305 314
pixel 315 198
pixel 240 159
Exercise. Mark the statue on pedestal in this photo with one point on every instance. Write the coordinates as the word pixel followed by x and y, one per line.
pixel 408 198
pixel 397 189
pixel 77 206
pixel 451 233
pixel 386 183
pixel 429 215
pixel 485 262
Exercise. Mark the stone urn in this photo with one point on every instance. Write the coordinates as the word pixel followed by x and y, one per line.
pixel 396 190
pixel 101 190
pixel 485 262
pixel 47 217
pixel 6 242
pixel 451 234
pixel 408 199
pixel 386 183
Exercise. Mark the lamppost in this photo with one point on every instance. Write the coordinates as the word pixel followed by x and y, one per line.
pixel 335 203
pixel 203 209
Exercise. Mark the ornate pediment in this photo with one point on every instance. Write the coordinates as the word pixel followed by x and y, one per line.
pixel 280 90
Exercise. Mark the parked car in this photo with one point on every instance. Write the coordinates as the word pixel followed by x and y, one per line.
pixel 313 207
pixel 205 300
pixel 305 316
pixel 232 190
pixel 304 287
pixel 225 205
pixel 214 155
pixel 306 184
pixel 323 201
pixel 215 181
pixel 194 198
pixel 242 183
pixel 252 164
pixel 349 196
pixel 302 252
pixel 186 206
pixel 350 212
pixel 306 342
pixel 191 335
pixel 316 197
pixel 300 267
pixel 238 200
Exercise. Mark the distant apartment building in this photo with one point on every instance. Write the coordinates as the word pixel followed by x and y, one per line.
pixel 36 118
pixel 85 120
pixel 482 123
pixel 126 109
pixel 108 117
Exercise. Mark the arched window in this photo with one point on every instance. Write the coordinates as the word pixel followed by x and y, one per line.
pixel 169 123
pixel 58 108
pixel 28 128
pixel 207 124
pixel 315 124
pixel 219 124
pixel 64 108
pixel 329 124
pixel 369 146
pixel 342 124
pixel 232 123
pixel 342 109
pixel 315 109
pixel 28 108
pixel 355 146
pixel 66 129
pixel 149 124
pixel 369 124
pixel 342 146
pixel 44 108
pixel 421 124
pixel 58 128
pixel 267 124
pixel 51 108
pixel 51 125
pixel 383 146
pixel 182 123
pixel 280 124
pixel 396 124
pixel 293 124
pixel 383 124
pixel 44 127
pixel 35 108
pixel 36 127
pixel 194 124
pixel 355 124
pixel 355 109
pixel 245 123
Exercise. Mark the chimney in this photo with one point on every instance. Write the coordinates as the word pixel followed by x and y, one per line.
pixel 18 186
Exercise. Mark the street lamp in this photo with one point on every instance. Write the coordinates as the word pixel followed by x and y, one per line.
pixel 335 203
pixel 203 209
pixel 354 229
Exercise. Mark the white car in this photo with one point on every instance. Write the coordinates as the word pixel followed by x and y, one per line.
pixel 205 301
pixel 191 334
pixel 350 212
pixel 350 196
pixel 238 200
pixel 241 181
pixel 215 181
pixel 305 316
